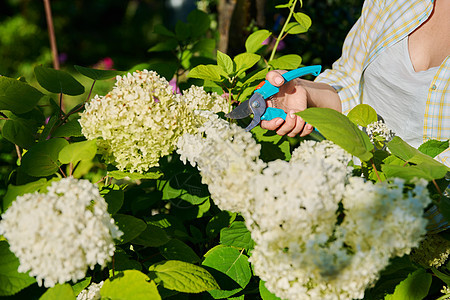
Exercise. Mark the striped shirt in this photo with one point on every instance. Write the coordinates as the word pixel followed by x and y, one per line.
pixel 382 24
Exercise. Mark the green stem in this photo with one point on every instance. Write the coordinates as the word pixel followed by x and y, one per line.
pixel 280 36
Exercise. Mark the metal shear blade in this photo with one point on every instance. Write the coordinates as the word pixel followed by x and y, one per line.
pixel 256 105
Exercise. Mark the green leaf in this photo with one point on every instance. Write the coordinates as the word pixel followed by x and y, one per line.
pixel 230 268
pixel 57 81
pixel 200 21
pixel 59 292
pixel 416 286
pixel 11 281
pixel 162 30
pixel 265 293
pixel 237 235
pixel 303 20
pixel 426 171
pixel 283 5
pixel 17 96
pixel 177 250
pixel 182 31
pixel 444 277
pixel 45 134
pixel 130 226
pixel 444 207
pixel 295 28
pixel 183 277
pixel 205 46
pixel 403 150
pixel 18 190
pixel 290 61
pixel 398 270
pixel 257 75
pixel 363 115
pixel 165 69
pixel 97 74
pixel 221 220
pixel 114 196
pixel 225 62
pixel 71 128
pixel 75 152
pixel 152 236
pixel 273 146
pixel 166 45
pixel 42 159
pixel 20 132
pixel 151 174
pixel 208 72
pixel 81 285
pixel 171 224
pixel 245 61
pixel 433 147
pixel 122 262
pixel 255 40
pixel 187 187
pixel 130 284
pixel 337 128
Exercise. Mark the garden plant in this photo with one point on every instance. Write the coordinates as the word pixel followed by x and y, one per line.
pixel 150 192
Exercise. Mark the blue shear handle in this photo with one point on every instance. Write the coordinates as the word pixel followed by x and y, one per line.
pixel 272 113
pixel 315 70
pixel 268 89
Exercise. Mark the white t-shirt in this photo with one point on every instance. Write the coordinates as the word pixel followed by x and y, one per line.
pixel 397 92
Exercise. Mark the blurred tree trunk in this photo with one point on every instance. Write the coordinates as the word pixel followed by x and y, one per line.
pixel 234 19
pixel 225 9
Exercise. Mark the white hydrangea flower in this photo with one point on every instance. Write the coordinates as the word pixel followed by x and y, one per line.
pixel 58 235
pixel 141 119
pixel 380 130
pixel 197 99
pixel 92 292
pixel 227 156
pixel 313 224
pixel 316 257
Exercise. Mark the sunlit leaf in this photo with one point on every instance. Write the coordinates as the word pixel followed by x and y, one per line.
pixel 129 284
pixel 337 128
pixel 362 115
pixel 255 40
pixel 183 277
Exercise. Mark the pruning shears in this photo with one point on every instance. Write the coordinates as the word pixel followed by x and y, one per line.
pixel 257 105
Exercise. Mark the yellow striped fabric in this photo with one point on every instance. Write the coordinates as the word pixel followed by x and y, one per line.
pixel 382 24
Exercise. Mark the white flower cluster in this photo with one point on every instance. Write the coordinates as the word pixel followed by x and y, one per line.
pixel 141 119
pixel 313 224
pixel 58 235
pixel 227 155
pixel 92 292
pixel 379 130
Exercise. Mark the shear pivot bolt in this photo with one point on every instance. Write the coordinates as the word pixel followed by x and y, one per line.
pixel 255 104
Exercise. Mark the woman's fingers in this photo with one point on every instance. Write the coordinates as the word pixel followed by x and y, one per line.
pixel 272 124
pixel 275 78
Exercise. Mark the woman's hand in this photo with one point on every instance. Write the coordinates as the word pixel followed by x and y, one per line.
pixel 291 98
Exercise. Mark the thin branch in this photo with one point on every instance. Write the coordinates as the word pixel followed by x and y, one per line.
pixel 81 107
pixel 437 188
pixel 51 34
pixel 375 169
pixel 19 152
pixel 62 172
